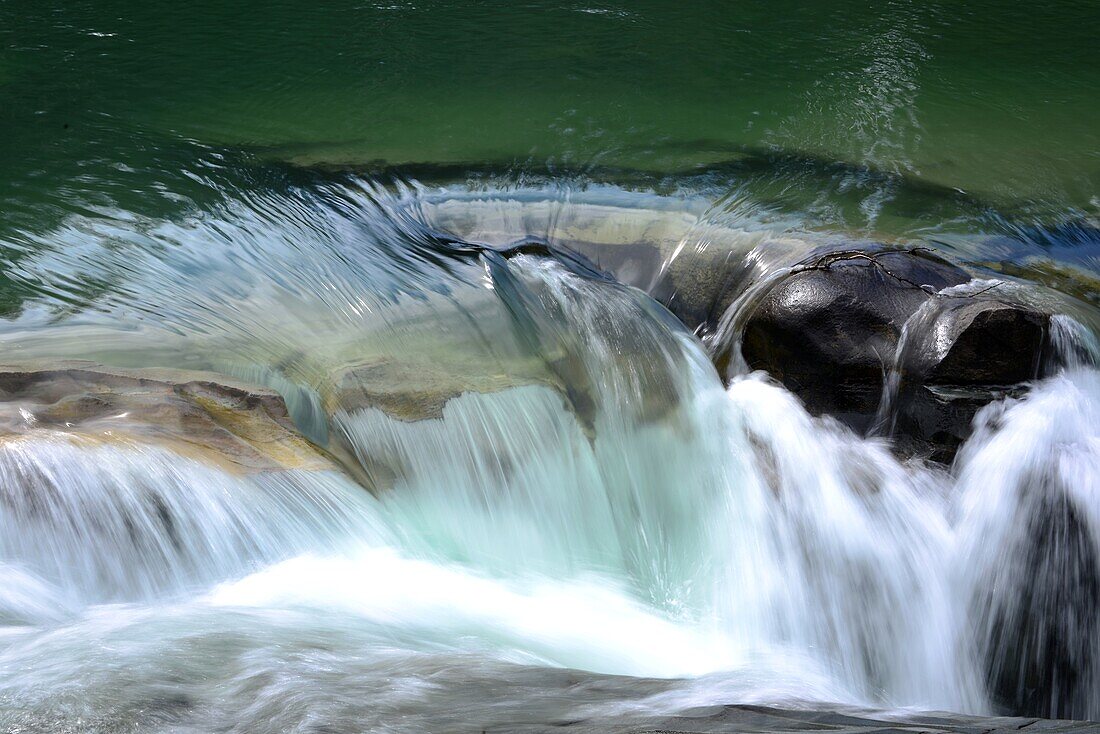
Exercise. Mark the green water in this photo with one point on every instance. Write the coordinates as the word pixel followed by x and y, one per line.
pixel 894 116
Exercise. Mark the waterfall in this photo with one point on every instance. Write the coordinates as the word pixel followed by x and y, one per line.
pixel 733 511
pixel 97 523
pixel 1029 544
pixel 624 514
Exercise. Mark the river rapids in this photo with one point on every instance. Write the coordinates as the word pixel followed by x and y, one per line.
pixel 590 525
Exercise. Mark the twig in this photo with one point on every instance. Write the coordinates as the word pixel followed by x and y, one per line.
pixel 825 261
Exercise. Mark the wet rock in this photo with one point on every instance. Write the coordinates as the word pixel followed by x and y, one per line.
pixel 932 421
pixel 1044 633
pixel 979 342
pixel 755 719
pixel 414 390
pixel 700 276
pixel 967 353
pixel 829 330
pixel 236 426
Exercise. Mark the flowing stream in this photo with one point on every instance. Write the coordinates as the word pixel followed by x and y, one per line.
pixel 616 534
pixel 375 366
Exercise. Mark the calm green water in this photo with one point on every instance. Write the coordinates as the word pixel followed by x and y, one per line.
pixel 896 116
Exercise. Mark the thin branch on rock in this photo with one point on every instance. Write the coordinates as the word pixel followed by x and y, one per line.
pixel 825 261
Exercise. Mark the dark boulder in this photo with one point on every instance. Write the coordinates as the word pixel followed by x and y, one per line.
pixel 829 330
pixel 932 421
pixel 960 356
pixel 978 342
pixel 1040 622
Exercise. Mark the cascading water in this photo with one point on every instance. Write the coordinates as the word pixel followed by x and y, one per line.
pixel 1028 544
pixel 103 523
pixel 616 511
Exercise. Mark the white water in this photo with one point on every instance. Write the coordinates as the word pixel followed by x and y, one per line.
pixel 650 523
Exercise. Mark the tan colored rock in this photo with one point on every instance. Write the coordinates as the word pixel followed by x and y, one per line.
pixel 236 426
pixel 414 390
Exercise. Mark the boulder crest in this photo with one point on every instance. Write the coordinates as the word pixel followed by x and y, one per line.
pixel 978 342
pixel 830 330
pixel 963 354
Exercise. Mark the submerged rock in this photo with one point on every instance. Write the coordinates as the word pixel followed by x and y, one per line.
pixel 829 330
pixel 692 266
pixel 233 425
pixel 414 391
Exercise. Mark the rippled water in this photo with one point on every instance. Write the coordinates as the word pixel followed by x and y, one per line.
pixel 545 506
